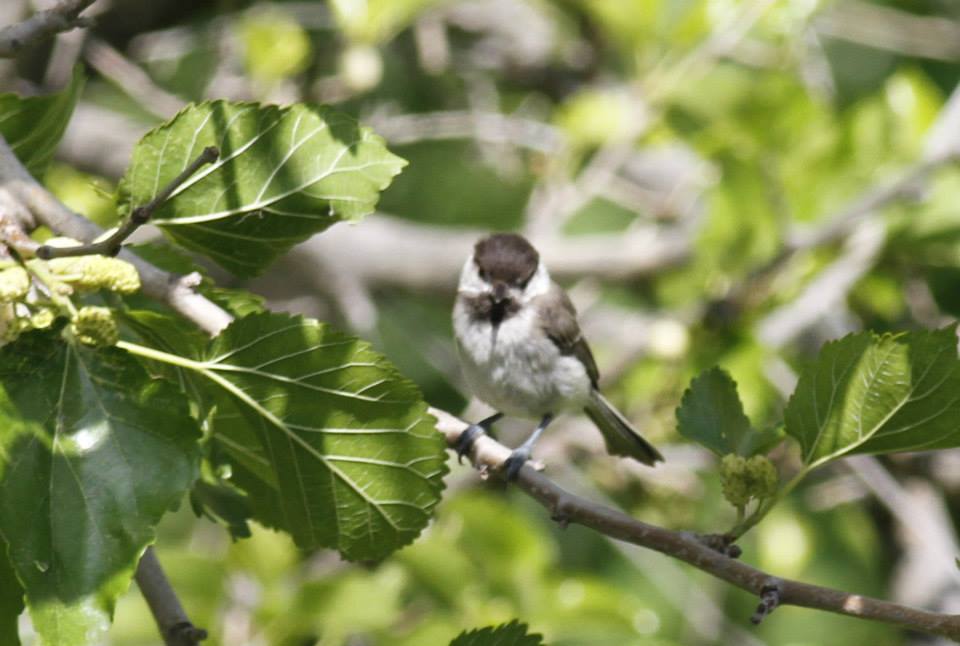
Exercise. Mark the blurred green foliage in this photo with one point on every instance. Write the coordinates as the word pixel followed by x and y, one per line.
pixel 794 125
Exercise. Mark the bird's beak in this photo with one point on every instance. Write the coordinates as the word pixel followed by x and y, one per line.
pixel 499 291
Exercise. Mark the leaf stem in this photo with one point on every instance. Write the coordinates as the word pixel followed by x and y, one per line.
pixel 160 355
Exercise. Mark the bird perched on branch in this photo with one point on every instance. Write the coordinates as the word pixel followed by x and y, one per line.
pixel 522 351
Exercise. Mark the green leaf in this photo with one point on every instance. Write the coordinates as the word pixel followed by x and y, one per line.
pixel 711 414
pixel 11 600
pixel 33 125
pixel 329 441
pixel 511 634
pixel 221 502
pixel 878 394
pixel 92 453
pixel 283 175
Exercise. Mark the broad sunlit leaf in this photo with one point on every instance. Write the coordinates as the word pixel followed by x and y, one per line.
pixel 878 394
pixel 283 175
pixel 331 443
pixel 92 453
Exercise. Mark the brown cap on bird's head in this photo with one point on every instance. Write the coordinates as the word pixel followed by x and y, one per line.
pixel 506 258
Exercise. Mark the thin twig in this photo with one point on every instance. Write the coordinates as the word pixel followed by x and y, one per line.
pixel 43 24
pixel 489 455
pixel 111 245
pixel 172 621
pixel 39 206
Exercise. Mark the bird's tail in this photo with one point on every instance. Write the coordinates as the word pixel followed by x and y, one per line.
pixel 621 438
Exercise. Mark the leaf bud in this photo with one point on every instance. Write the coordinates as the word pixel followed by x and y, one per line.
pixel 743 479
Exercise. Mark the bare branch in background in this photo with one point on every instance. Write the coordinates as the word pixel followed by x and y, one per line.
pixel 391 251
pixel 891 29
pixel 864 236
pixel 43 24
pixel 488 454
pixel 828 290
pixel 131 78
pixel 486 127
pixel 433 46
pixel 925 529
pixel 904 186
pixel 721 42
pixel 99 140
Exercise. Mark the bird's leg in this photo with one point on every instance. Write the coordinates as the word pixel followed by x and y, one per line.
pixel 471 433
pixel 522 453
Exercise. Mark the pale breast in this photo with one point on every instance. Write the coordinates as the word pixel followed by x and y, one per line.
pixel 515 368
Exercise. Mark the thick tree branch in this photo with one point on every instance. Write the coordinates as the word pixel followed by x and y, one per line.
pixel 488 454
pixel 43 24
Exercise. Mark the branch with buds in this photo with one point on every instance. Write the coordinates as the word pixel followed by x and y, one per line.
pixel 489 455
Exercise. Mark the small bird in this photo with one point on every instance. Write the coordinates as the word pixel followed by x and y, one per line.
pixel 522 351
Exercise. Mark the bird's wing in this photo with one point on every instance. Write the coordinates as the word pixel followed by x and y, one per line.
pixel 558 320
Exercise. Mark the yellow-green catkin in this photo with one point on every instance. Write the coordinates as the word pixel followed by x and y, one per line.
pixel 90 273
pixel 14 284
pixel 42 318
pixel 95 326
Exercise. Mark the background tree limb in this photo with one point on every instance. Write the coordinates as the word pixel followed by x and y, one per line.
pixel 43 24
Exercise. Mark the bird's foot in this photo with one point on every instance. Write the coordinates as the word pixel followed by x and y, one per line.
pixel 466 440
pixel 517 459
